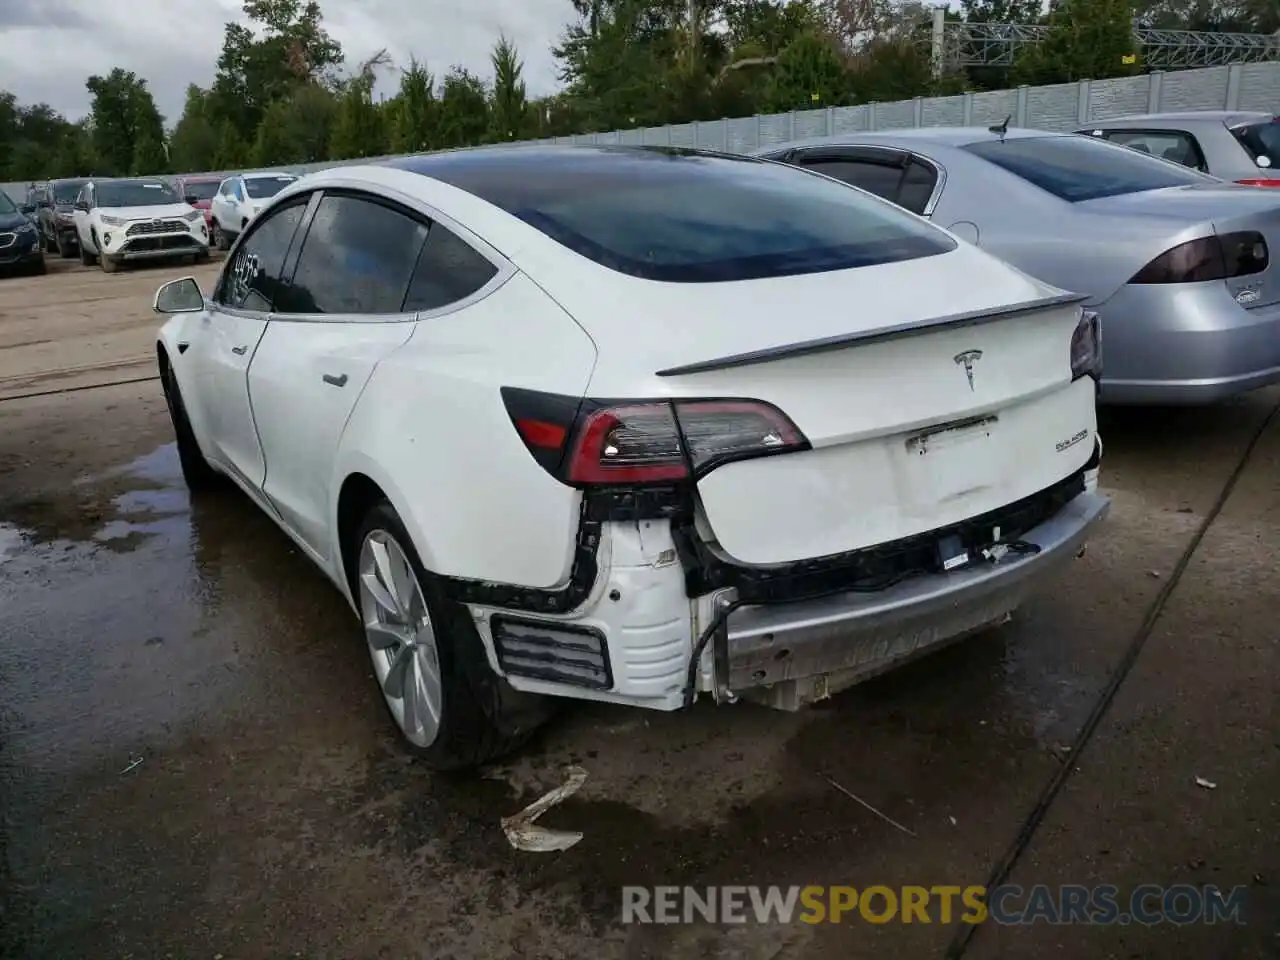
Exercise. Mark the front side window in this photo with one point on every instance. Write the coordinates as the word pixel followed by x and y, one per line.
pixel 1262 141
pixel 357 258
pixel 260 188
pixel 684 217
pixel 136 193
pixel 1078 168
pixel 251 279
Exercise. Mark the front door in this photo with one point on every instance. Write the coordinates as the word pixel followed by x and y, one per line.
pixel 224 346
pixel 227 338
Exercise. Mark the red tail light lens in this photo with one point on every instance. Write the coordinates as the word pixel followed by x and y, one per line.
pixel 1208 258
pixel 1086 347
pixel 1259 183
pixel 591 443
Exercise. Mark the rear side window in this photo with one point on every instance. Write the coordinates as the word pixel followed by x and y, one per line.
pixel 882 179
pixel 448 270
pixel 1262 141
pixel 1078 168
pixel 1177 146
pixel 251 281
pixel 357 258
pixel 684 217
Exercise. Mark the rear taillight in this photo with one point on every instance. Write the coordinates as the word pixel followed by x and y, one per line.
pixel 1086 347
pixel 1260 183
pixel 1208 258
pixel 601 443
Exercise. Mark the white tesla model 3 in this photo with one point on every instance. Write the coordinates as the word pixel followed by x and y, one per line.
pixel 634 424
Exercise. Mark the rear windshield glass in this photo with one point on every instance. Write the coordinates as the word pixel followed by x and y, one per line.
pixel 682 217
pixel 1078 168
pixel 1262 140
pixel 260 187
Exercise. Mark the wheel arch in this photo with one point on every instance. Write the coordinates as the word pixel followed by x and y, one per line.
pixel 363 485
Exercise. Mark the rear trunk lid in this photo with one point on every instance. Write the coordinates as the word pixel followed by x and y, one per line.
pixel 931 391
pixel 1217 208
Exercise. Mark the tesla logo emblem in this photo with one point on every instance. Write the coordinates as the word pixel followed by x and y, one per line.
pixel 968 359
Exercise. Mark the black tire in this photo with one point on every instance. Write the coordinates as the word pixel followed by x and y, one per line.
pixel 109 265
pixel 195 468
pixel 86 258
pixel 39 269
pixel 482 718
pixel 220 238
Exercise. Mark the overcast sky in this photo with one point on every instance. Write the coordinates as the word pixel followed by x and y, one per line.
pixel 49 47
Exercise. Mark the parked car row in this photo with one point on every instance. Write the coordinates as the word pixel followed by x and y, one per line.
pixel 113 221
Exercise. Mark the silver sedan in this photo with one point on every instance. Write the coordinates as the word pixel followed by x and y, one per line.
pixel 1244 147
pixel 1177 263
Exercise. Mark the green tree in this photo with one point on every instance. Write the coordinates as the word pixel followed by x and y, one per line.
pixel 127 127
pixel 30 138
pixel 297 129
pixel 810 72
pixel 464 109
pixel 509 105
pixel 232 151
pixel 193 144
pixel 1086 40
pixel 284 46
pixel 359 127
pixel 415 112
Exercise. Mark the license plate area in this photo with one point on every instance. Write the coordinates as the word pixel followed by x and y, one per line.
pixel 955 460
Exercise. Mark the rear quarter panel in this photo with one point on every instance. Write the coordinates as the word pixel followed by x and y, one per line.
pixel 432 431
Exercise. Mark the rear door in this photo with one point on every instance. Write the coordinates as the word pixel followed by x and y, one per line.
pixel 366 269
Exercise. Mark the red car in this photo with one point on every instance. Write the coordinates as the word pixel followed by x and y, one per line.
pixel 198 191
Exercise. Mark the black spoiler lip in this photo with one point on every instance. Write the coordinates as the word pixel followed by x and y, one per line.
pixel 971 318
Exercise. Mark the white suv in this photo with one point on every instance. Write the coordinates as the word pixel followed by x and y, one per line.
pixel 238 201
pixel 118 221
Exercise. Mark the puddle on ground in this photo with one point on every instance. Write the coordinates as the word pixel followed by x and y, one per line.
pixel 118 510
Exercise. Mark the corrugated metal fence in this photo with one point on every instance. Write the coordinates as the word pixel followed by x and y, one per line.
pixel 1064 106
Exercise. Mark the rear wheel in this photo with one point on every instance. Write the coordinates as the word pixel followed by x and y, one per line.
pixel 195 468
pixel 450 707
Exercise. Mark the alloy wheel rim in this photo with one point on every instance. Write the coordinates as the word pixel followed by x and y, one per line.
pixel 401 638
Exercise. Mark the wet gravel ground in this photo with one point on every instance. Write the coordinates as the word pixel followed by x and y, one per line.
pixel 272 814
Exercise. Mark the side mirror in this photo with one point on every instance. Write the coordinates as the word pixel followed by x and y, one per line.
pixel 28 208
pixel 179 296
pixel 191 199
pixel 82 205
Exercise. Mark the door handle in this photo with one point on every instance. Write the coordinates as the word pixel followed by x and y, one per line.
pixel 239 351
pixel 339 381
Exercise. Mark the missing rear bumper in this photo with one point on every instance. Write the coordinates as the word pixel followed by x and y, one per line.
pixel 791 654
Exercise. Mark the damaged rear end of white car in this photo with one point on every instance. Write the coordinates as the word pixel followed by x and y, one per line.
pixel 821 438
